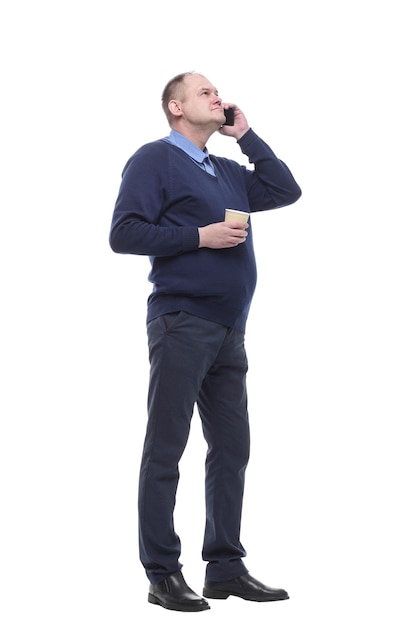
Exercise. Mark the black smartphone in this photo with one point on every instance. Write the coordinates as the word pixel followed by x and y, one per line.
pixel 230 117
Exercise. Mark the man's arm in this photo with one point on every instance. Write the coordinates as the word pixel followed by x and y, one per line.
pixel 134 228
pixel 271 185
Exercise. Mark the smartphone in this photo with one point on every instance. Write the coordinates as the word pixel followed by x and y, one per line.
pixel 230 117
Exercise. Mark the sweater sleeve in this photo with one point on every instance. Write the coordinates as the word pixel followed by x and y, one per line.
pixel 270 185
pixel 139 205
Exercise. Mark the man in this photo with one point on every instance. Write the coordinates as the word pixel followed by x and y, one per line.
pixel 171 207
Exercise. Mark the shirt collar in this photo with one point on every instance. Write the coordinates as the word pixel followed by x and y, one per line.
pixel 188 146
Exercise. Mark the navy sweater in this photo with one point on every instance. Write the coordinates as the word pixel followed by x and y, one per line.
pixel 165 197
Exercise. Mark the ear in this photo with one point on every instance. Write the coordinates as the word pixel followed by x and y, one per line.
pixel 175 108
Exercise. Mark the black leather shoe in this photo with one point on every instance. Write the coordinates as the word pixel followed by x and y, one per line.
pixel 245 587
pixel 174 593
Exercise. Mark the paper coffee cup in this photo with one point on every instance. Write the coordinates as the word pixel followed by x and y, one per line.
pixel 233 215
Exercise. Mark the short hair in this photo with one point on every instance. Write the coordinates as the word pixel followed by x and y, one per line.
pixel 173 89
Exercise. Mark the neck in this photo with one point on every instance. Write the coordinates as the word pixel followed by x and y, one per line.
pixel 198 135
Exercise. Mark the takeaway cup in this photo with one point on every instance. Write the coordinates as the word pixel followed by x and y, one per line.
pixel 233 215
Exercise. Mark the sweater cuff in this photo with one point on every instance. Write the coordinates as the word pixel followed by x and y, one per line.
pixel 191 238
pixel 245 141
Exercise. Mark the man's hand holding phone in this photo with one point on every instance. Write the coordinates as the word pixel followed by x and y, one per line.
pixel 236 124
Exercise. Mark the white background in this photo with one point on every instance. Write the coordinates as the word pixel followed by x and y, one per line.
pixel 330 500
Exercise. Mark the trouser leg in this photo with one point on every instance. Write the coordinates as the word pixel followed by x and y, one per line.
pixel 181 351
pixel 222 405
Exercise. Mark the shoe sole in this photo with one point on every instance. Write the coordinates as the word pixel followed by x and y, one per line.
pixel 189 609
pixel 223 595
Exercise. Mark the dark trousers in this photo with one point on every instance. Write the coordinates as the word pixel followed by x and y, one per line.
pixel 194 362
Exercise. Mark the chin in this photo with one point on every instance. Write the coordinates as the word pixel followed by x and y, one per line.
pixel 221 118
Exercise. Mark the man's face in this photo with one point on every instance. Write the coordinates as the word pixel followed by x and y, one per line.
pixel 201 104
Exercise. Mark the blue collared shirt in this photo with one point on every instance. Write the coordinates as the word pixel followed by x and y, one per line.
pixel 200 157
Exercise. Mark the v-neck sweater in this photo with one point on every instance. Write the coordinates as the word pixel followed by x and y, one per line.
pixel 164 197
